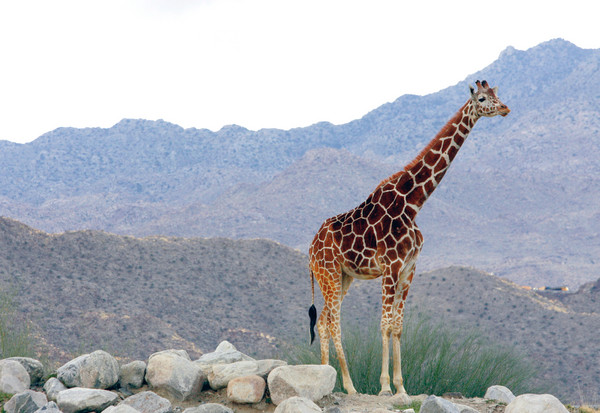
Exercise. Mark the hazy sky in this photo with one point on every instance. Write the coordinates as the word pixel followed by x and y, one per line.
pixel 255 63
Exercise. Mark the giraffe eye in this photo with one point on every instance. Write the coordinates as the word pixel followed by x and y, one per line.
pixel 481 99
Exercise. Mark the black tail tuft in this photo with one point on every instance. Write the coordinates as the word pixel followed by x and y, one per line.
pixel 312 313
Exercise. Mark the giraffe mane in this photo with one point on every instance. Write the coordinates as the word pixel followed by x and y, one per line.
pixel 442 133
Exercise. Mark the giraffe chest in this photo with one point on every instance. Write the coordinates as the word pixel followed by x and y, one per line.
pixel 387 243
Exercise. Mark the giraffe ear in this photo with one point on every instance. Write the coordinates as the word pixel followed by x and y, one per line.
pixel 472 89
pixel 495 89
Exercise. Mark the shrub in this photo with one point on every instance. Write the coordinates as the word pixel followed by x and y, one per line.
pixel 15 337
pixel 436 359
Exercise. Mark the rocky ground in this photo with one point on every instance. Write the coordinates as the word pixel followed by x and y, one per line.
pixel 341 402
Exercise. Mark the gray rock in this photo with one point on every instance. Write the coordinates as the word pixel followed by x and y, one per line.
pixel 131 375
pixel 500 393
pixel 148 402
pixel 209 408
pixel 52 387
pixel 535 403
pixel 246 389
pixel 309 381
pixel 225 353
pixel 26 402
pixel 297 404
pixel 49 407
pixel 434 404
pixel 465 409
pixel 222 373
pixel 13 377
pixel 174 375
pixel 121 408
pixel 34 367
pixel 81 400
pixel 97 370
pixel 177 352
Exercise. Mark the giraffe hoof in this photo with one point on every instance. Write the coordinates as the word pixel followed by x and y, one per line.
pixel 385 393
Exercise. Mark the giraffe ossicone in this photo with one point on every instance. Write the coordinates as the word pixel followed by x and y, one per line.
pixel 379 238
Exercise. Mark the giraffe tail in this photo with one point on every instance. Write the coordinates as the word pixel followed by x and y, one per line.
pixel 312 311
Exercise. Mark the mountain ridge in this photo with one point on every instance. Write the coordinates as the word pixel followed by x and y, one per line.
pixel 515 193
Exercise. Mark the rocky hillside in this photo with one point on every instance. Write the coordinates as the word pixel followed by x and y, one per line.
pixel 131 296
pixel 520 200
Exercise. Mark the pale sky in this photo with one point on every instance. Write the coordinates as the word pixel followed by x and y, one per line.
pixel 254 63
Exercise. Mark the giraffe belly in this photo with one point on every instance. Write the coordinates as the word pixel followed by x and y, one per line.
pixel 362 273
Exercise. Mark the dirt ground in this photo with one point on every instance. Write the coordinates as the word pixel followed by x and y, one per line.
pixel 341 403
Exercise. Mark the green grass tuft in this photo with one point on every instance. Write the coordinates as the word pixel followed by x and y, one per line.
pixel 436 359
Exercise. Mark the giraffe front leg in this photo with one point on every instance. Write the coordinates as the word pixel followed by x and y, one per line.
pixel 387 299
pixel 397 327
pixel 384 379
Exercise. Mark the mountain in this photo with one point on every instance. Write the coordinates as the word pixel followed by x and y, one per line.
pixel 520 200
pixel 86 290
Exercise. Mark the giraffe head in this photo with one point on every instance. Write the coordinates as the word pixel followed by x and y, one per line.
pixel 486 102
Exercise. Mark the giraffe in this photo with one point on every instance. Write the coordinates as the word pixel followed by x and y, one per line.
pixel 379 238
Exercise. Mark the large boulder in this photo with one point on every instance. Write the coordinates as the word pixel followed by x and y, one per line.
pixel 121 408
pixel 50 407
pixel 209 408
pixel 246 389
pixel 222 373
pixel 500 393
pixel 28 401
pixel 172 374
pixel 34 367
pixel 13 377
pixel 309 381
pixel 434 404
pixel 52 387
pixel 148 402
pixel 297 405
pixel 535 403
pixel 97 370
pixel 225 353
pixel 79 399
pixel 131 375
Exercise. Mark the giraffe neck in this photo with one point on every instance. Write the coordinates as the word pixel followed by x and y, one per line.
pixel 419 178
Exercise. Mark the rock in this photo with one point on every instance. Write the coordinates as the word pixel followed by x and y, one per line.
pixel 225 353
pixel 222 373
pixel 465 409
pixel 121 408
pixel 536 403
pixel 246 389
pixel 13 377
pixel 297 404
pixel 310 381
pixel 209 408
pixel 97 370
pixel 148 402
pixel 26 402
pixel 49 407
pixel 434 404
pixel 79 399
pixel 34 367
pixel 131 375
pixel 500 393
pixel 52 387
pixel 174 375
pixel 400 399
